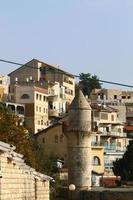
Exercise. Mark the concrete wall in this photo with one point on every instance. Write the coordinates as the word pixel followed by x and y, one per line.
pixel 17 180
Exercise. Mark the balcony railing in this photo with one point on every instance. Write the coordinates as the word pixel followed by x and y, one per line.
pixel 114 134
pixel 114 148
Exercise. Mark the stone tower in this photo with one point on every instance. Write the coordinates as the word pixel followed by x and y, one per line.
pixel 78 133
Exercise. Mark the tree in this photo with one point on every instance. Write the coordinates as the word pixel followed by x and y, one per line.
pixel 11 132
pixel 124 167
pixel 88 82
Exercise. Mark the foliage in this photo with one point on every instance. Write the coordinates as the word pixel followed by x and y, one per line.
pixel 124 167
pixel 11 132
pixel 88 82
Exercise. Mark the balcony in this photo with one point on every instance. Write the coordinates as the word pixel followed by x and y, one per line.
pixel 52 96
pixel 113 148
pixel 129 114
pixel 114 134
pixel 66 80
pixel 96 144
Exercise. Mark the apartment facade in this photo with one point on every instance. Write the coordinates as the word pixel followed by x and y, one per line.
pixel 35 100
pixel 37 71
pixel 112 95
pixel 108 129
pixel 59 84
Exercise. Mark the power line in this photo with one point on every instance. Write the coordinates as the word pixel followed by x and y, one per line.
pixel 102 81
pixel 115 83
pixel 16 63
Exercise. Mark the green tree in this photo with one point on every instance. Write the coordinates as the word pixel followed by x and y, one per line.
pixel 11 132
pixel 88 82
pixel 124 167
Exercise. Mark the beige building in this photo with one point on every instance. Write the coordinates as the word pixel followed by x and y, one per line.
pixel 35 100
pixel 19 181
pixel 4 84
pixel 53 142
pixel 109 133
pixel 60 87
pixel 36 71
pixel 57 100
pixel 115 95
pixel 108 140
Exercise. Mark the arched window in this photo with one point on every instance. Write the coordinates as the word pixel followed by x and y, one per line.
pixel 96 160
pixel 25 96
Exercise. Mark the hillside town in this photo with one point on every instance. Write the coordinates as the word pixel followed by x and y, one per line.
pixel 87 133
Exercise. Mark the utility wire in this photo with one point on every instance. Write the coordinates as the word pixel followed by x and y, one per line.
pixel 61 71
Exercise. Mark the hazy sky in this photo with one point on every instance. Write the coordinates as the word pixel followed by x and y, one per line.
pixel 94 36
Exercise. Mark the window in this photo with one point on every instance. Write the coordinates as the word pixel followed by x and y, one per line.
pixel 44 99
pixel 112 117
pixel 25 96
pixel 123 97
pixel 115 96
pixel 43 140
pixel 96 114
pixel 96 160
pixel 38 122
pixel 40 97
pixel 44 110
pixel 56 138
pixel 104 116
pixel 41 122
pixel 36 108
pixel 107 129
pixel 39 109
pixel 36 96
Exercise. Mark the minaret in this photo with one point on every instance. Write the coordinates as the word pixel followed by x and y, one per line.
pixel 78 135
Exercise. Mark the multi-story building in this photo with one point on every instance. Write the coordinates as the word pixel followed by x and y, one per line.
pixel 109 133
pixel 119 99
pixel 37 71
pixel 35 100
pixel 4 84
pixel 57 100
pixel 59 84
pixel 111 95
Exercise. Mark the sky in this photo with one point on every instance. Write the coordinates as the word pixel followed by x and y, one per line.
pixel 89 36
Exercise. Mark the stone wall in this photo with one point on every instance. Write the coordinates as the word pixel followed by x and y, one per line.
pixel 111 194
pixel 18 181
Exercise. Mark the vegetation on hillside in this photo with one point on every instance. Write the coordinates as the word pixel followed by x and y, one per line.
pixel 88 82
pixel 124 167
pixel 11 132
